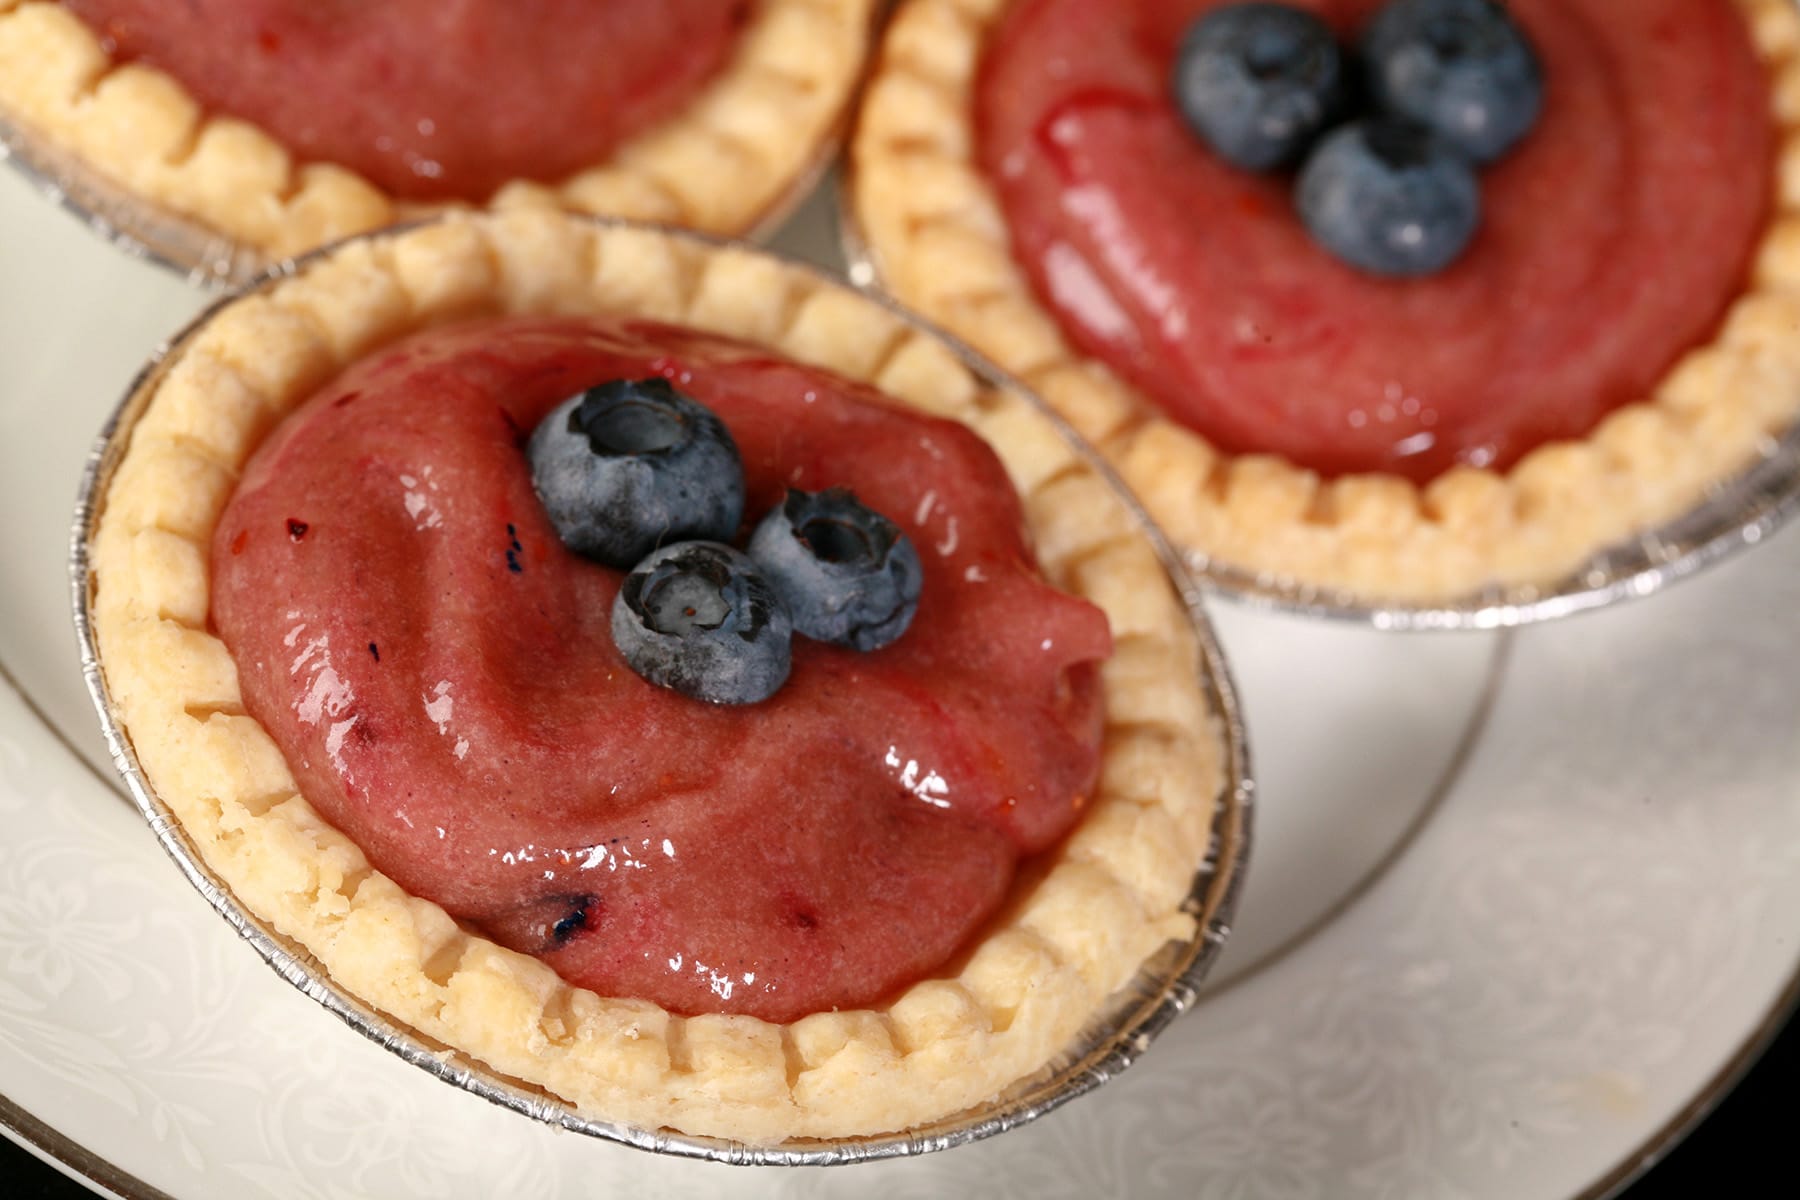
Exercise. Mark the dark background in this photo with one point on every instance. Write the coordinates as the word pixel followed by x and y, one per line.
pixel 1748 1138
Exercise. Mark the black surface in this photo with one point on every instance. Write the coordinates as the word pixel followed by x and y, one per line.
pixel 1747 1138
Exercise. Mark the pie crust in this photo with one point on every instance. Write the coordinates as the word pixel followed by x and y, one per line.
pixel 935 236
pixel 1075 931
pixel 725 162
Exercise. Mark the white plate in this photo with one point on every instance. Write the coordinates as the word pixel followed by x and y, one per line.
pixel 1507 986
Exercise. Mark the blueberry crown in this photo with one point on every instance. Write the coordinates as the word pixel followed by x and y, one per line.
pixel 625 417
pixel 838 529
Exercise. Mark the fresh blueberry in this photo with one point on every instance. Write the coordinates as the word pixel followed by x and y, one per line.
pixel 631 465
pixel 1462 67
pixel 1385 196
pixel 1258 82
pixel 847 574
pixel 700 618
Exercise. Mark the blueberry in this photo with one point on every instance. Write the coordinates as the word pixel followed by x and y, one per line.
pixel 1258 82
pixel 1462 67
pixel 847 574
pixel 1385 196
pixel 627 466
pixel 574 920
pixel 700 618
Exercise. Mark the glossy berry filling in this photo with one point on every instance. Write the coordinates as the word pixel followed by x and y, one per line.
pixel 430 100
pixel 1611 240
pixel 441 674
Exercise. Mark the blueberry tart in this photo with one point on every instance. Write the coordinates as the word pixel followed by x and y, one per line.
pixel 1398 300
pixel 831 820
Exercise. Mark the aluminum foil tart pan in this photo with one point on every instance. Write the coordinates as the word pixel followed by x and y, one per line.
pixel 535 277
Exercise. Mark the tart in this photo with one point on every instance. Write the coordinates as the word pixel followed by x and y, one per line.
pixel 233 116
pixel 1076 924
pixel 936 189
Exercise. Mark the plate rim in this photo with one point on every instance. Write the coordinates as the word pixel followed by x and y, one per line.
pixel 95 1171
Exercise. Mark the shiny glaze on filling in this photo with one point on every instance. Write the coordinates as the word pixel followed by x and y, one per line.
pixel 439 671
pixel 1613 237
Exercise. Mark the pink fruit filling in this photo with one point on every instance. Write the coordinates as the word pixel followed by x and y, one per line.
pixel 1611 241
pixel 440 673
pixel 433 99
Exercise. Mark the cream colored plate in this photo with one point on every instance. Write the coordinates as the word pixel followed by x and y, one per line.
pixel 1505 991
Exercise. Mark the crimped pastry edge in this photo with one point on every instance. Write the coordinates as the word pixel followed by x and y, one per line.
pixel 933 235
pixel 1113 896
pixel 745 145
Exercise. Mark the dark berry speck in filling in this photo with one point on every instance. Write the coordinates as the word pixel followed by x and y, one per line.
pixel 514 550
